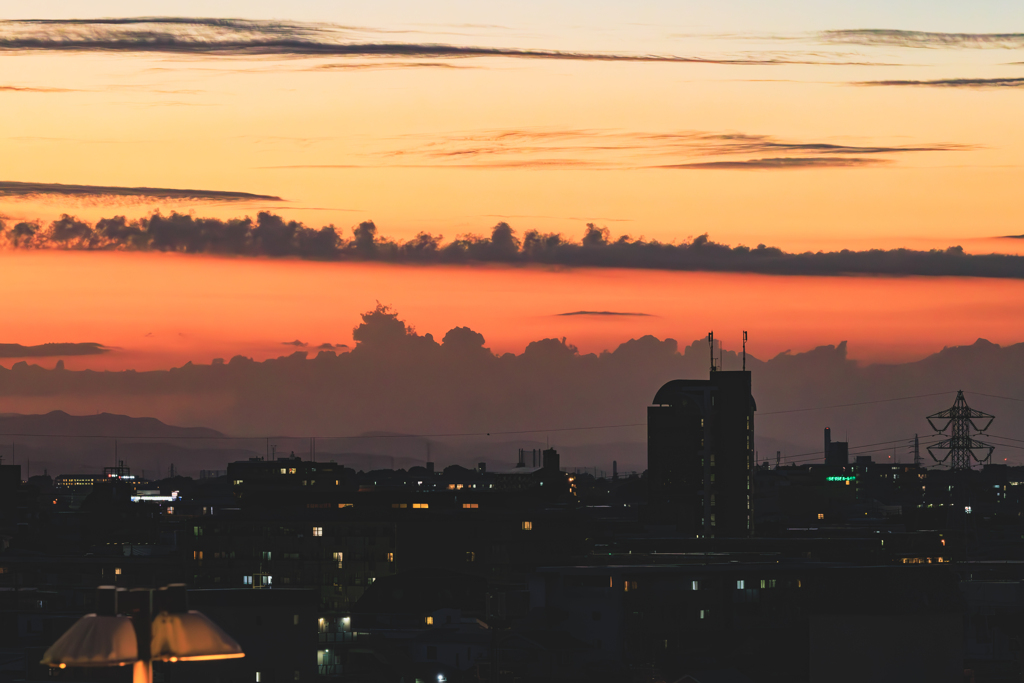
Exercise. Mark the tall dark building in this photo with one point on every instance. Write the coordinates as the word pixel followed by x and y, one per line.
pixel 837 453
pixel 700 455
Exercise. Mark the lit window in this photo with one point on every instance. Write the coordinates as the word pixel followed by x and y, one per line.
pixel 420 506
pixel 703 613
pixel 629 586
pixel 284 471
pixel 821 515
pixel 391 557
pixel 291 470
pixel 170 509
pixel 345 505
pixel 117 571
pixel 318 531
pixel 967 509
pixel 470 556
pixel 695 585
pixel 257 677
pixel 339 556
pixel 246 580
pixel 740 584
pixel 266 555
pixel 238 482
pixel 429 621
pixel 470 506
pixel 527 526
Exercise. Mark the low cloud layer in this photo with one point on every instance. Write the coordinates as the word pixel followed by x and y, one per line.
pixel 401 381
pixel 235 37
pixel 272 235
pixel 52 350
pixel 977 83
pixel 100 193
pixel 924 39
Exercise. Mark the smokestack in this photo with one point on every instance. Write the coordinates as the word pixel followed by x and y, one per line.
pixel 615 470
pixel 522 458
pixel 828 442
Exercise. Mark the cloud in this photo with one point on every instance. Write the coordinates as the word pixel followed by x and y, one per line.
pixel 327 346
pixel 780 163
pixel 17 88
pixel 924 39
pixel 234 37
pixel 603 313
pixel 613 149
pixel 955 83
pixel 401 381
pixel 9 189
pixel 52 349
pixel 271 235
pixel 295 343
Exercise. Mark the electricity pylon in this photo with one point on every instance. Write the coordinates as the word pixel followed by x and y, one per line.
pixel 960 447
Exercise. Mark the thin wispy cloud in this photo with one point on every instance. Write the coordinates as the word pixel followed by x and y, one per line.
pixel 273 236
pixel 52 350
pixel 101 194
pixel 35 89
pixel 235 37
pixel 611 314
pixel 780 163
pixel 975 83
pixel 924 39
pixel 617 150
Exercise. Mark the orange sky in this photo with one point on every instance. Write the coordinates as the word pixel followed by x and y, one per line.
pixel 452 146
pixel 161 310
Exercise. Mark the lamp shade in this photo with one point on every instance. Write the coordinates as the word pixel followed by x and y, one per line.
pixel 95 641
pixel 190 637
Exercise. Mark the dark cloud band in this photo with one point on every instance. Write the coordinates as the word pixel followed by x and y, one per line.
pixel 271 235
pixel 232 37
pixel 977 83
pixel 16 189
pixel 52 350
pixel 924 39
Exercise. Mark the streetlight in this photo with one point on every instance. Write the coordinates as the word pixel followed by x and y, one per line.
pixel 124 631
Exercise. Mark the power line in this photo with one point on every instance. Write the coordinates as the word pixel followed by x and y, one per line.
pixel 848 405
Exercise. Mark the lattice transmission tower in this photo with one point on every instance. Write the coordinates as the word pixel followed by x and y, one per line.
pixel 960 447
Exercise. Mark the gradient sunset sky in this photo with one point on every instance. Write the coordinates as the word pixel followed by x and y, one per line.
pixel 803 125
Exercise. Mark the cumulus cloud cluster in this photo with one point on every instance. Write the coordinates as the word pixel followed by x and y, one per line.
pixel 273 236
pixel 398 380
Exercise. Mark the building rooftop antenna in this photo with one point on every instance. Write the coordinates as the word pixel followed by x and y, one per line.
pixel 744 349
pixel 711 348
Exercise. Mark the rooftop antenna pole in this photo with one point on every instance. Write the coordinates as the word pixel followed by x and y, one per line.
pixel 711 347
pixel 744 349
pixel 917 451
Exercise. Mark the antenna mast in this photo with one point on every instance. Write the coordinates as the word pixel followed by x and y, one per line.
pixel 711 347
pixel 744 349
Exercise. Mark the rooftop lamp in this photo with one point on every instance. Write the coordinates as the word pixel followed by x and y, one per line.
pixel 135 637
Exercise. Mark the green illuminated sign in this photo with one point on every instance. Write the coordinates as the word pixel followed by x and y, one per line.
pixel 840 478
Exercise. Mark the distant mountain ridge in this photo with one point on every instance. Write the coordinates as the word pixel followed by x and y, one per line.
pixel 60 423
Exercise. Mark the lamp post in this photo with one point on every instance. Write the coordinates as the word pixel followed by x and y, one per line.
pixel 125 631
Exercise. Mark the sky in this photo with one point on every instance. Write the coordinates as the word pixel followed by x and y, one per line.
pixel 802 126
